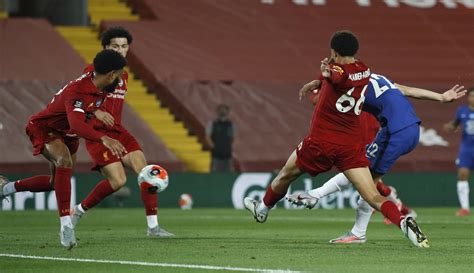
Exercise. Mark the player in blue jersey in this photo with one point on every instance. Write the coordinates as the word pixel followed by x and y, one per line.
pixel 465 161
pixel 399 135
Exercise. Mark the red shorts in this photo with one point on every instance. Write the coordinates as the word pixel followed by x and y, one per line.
pixel 39 136
pixel 101 155
pixel 315 157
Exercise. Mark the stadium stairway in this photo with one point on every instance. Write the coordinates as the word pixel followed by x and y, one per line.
pixel 162 122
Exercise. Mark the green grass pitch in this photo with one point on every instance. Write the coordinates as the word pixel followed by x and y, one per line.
pixel 290 240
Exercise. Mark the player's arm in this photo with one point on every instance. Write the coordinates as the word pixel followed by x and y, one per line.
pixel 105 117
pixel 453 125
pixel 450 95
pixel 332 73
pixel 76 117
pixel 309 87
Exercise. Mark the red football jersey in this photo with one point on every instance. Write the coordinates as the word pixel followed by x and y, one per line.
pixel 114 102
pixel 336 117
pixel 69 107
pixel 371 127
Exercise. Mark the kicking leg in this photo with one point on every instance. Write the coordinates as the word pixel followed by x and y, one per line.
pixel 275 191
pixel 136 161
pixel 310 199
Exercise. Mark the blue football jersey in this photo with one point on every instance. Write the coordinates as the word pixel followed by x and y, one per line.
pixel 388 104
pixel 465 117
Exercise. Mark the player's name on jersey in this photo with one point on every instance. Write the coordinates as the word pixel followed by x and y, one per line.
pixel 359 76
pixel 422 4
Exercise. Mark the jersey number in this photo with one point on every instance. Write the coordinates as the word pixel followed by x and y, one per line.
pixel 346 102
pixel 380 89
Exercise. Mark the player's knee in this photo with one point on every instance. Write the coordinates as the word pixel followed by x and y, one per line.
pixel 63 162
pixel 118 181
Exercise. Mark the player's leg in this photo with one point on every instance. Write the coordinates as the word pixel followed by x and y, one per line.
pixel 463 191
pixel 362 181
pixel 115 179
pixel 57 152
pixel 39 183
pixel 136 161
pixel 310 198
pixel 275 191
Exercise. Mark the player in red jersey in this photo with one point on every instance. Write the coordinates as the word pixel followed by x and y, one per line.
pixel 370 127
pixel 335 139
pixel 109 122
pixel 55 131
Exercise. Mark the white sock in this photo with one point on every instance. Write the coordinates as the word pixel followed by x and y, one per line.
pixel 9 188
pixel 152 221
pixel 364 212
pixel 66 221
pixel 463 194
pixel 333 185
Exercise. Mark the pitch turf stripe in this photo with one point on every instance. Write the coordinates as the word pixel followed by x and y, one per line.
pixel 189 266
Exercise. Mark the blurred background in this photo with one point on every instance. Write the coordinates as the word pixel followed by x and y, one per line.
pixel 190 56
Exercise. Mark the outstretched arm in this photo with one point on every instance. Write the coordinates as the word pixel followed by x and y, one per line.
pixel 309 87
pixel 450 95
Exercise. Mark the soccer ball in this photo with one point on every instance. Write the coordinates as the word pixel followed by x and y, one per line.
pixel 153 178
pixel 186 201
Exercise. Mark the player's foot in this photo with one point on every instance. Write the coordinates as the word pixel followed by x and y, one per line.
pixel 253 206
pixel 463 212
pixel 387 221
pixel 3 182
pixel 76 215
pixel 348 238
pixel 68 238
pixel 411 230
pixel 159 232
pixel 303 199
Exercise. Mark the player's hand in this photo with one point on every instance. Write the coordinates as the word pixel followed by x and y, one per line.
pixel 454 93
pixel 310 87
pixel 450 128
pixel 114 146
pixel 325 69
pixel 105 117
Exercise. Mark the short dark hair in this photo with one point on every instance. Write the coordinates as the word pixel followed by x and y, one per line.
pixel 345 43
pixel 108 60
pixel 115 32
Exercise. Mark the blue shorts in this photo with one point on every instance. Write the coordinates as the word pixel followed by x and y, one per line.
pixel 387 148
pixel 465 157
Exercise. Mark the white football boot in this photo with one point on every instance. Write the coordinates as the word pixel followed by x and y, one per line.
pixel 68 238
pixel 411 230
pixel 251 205
pixel 348 238
pixel 303 199
pixel 3 182
pixel 76 215
pixel 159 232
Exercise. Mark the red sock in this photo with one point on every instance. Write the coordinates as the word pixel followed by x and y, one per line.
pixel 62 186
pixel 271 197
pixel 383 189
pixel 405 210
pixel 390 210
pixel 38 183
pixel 101 190
pixel 150 201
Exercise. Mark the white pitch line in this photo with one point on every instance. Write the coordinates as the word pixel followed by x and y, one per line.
pixel 190 266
